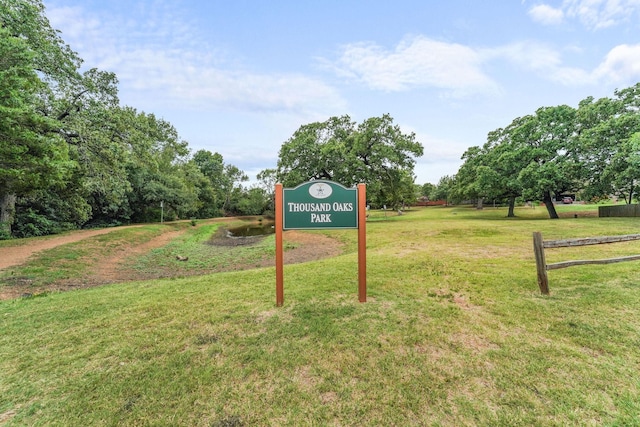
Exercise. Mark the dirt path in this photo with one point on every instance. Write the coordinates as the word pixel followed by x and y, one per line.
pixel 308 247
pixel 108 270
pixel 19 254
pixel 113 268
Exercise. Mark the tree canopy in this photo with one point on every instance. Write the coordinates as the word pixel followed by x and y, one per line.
pixel 72 156
pixel 375 152
pixel 32 155
pixel 592 150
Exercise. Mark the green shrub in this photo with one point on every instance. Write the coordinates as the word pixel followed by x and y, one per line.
pixel 30 223
pixel 5 234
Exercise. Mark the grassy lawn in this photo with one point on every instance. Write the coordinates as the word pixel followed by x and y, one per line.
pixel 455 332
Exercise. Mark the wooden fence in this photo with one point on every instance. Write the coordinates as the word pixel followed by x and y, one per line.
pixel 619 211
pixel 539 246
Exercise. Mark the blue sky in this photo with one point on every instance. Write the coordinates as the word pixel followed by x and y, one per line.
pixel 238 77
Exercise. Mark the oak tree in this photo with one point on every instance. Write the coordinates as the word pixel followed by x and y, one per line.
pixel 375 152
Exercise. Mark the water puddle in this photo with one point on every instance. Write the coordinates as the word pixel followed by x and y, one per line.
pixel 244 234
pixel 261 228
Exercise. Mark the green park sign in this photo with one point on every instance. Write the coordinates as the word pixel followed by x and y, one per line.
pixel 320 204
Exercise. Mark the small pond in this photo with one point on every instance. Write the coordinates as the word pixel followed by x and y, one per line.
pixel 249 233
pixel 252 229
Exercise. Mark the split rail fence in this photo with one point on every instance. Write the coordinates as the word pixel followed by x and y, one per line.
pixel 539 245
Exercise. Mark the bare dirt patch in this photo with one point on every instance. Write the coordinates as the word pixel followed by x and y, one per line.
pixel 115 267
pixel 109 269
pixel 7 416
pixel 310 247
pixel 18 254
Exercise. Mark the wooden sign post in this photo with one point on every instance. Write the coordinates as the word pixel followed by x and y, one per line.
pixel 321 204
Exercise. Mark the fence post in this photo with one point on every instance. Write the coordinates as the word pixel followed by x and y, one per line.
pixel 541 263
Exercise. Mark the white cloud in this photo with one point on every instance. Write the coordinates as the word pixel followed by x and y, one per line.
pixel 541 59
pixel 546 15
pixel 422 62
pixel 593 14
pixel 415 62
pixel 598 14
pixel 194 83
pixel 159 55
pixel 527 54
pixel 621 65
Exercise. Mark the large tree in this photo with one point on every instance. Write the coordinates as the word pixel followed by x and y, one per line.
pixel 491 172
pixel 427 189
pixel 70 155
pixel 623 171
pixel 607 130
pixel 465 185
pixel 32 155
pixel 316 151
pixel 267 180
pixel 536 156
pixel 375 152
pixel 445 188
pixel 158 170
pixel 61 102
pixel 545 148
pixel 54 60
pixel 224 181
pixel 498 172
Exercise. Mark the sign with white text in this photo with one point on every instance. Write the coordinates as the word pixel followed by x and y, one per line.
pixel 320 204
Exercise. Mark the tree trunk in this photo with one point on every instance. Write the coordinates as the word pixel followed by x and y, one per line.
pixel 512 207
pixel 479 203
pixel 548 202
pixel 7 213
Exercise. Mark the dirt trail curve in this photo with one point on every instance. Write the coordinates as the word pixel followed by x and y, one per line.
pixel 312 247
pixel 16 255
pixel 110 269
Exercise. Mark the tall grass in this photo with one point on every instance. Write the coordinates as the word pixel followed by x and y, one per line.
pixel 455 332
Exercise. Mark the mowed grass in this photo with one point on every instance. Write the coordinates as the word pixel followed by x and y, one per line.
pixel 455 332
